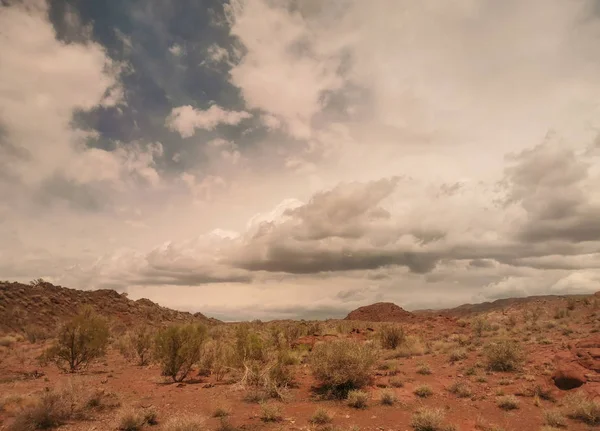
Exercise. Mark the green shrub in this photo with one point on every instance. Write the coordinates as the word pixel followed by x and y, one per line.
pixel 504 355
pixel 391 336
pixel 358 399
pixel 341 366
pixel 80 341
pixel 177 349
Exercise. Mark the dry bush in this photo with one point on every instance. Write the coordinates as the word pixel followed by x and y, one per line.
pixel 508 402
pixel 423 369
pixel 555 418
pixel 177 349
pixel 270 413
pixel 395 382
pixel 428 419
pixel 480 325
pixel 391 336
pixel 49 411
pixel 36 334
pixel 7 341
pixel 216 358
pixel 460 389
pixel 505 355
pixel 221 412
pixel 321 417
pixel 358 399
pixel 184 423
pixel 388 398
pixel 130 420
pixel 341 366
pixel 411 346
pixel 579 407
pixel 80 341
pixel 457 355
pixel 423 391
pixel 53 408
pixel 137 345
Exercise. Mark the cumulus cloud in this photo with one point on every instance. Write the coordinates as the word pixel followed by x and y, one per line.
pixel 185 119
pixel 423 129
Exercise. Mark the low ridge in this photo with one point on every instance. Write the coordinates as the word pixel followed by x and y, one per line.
pixel 44 304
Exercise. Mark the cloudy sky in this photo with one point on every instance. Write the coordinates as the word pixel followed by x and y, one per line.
pixel 286 158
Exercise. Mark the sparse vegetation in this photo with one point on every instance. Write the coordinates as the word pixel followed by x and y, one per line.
pixel 508 402
pixel 555 418
pixel 80 341
pixel 423 369
pixel 504 355
pixel 341 366
pixel 428 419
pixel 183 423
pixel 423 391
pixel 177 349
pixel 582 408
pixel 460 389
pixel 387 398
pixel 358 399
pixel 321 417
pixel 391 336
pixel 270 413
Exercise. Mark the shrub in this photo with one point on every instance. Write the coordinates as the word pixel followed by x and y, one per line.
pixel 179 423
pixel 130 420
pixel 248 345
pixel 270 413
pixel 460 389
pixel 458 355
pixel 388 398
pixel 141 341
pixel 36 334
pixel 221 412
pixel 411 346
pixel 424 369
pixel 480 325
pixel 583 409
pixel 358 399
pixel 508 402
pixel 7 341
pixel 504 355
pixel 391 336
pixel 80 341
pixel 555 418
pixel 49 411
pixel 320 417
pixel 423 391
pixel 427 419
pixel 341 366
pixel 177 349
pixel 396 382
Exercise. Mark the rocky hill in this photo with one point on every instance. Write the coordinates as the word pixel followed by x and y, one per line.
pixel 45 305
pixel 381 312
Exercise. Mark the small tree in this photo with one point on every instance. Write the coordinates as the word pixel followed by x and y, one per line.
pixel 80 341
pixel 137 345
pixel 177 349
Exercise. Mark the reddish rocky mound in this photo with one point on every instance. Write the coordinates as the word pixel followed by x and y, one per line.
pixel 381 312
pixel 46 305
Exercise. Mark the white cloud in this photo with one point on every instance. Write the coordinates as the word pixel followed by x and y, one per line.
pixel 185 119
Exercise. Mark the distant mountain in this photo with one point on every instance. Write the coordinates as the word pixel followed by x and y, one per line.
pixel 44 304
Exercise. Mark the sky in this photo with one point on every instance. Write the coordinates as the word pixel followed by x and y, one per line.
pixel 272 159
